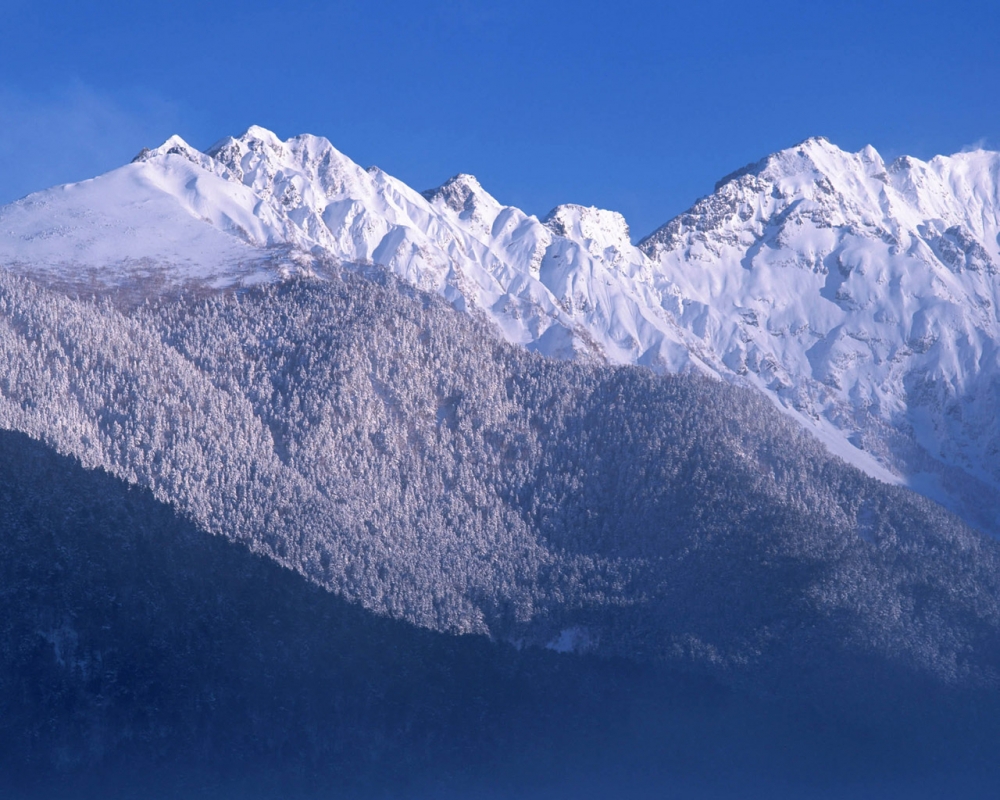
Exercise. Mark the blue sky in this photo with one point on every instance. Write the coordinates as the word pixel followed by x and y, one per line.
pixel 639 107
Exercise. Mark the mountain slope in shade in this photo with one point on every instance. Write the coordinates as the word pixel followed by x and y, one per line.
pixel 860 297
pixel 141 657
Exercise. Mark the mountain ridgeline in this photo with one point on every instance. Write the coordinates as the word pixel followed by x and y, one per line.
pixel 860 295
pixel 295 499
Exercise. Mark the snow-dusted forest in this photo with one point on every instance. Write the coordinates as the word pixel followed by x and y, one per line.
pixel 397 453
pixel 623 546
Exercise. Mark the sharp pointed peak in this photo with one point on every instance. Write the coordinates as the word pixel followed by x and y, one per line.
pixel 174 145
pixel 821 145
pixel 462 192
pixel 814 152
pixel 818 148
pixel 814 141
pixel 252 137
pixel 175 141
pixel 462 179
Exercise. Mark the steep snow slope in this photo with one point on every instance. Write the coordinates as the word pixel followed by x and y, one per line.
pixel 255 206
pixel 860 297
pixel 863 296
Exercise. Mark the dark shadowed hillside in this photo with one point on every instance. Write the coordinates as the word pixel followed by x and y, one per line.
pixel 140 656
pixel 139 652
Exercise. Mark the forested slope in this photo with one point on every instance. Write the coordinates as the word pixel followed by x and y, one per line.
pixel 140 657
pixel 399 454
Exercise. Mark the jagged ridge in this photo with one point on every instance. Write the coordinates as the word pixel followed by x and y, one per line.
pixel 859 296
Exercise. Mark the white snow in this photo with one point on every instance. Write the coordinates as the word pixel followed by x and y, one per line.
pixel 861 297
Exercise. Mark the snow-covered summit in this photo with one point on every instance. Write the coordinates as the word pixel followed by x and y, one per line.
pixel 174 146
pixel 464 195
pixel 604 229
pixel 816 181
pixel 860 296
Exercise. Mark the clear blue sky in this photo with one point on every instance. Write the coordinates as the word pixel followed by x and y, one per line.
pixel 639 107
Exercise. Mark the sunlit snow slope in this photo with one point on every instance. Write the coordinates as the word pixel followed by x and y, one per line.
pixel 860 296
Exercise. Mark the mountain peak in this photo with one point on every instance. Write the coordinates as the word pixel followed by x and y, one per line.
pixel 253 138
pixel 815 153
pixel 464 195
pixel 261 133
pixel 814 141
pixel 822 157
pixel 175 145
pixel 464 179
pixel 605 228
pixel 812 148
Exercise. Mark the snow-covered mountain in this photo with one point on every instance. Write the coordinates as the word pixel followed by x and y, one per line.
pixel 254 207
pixel 860 297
